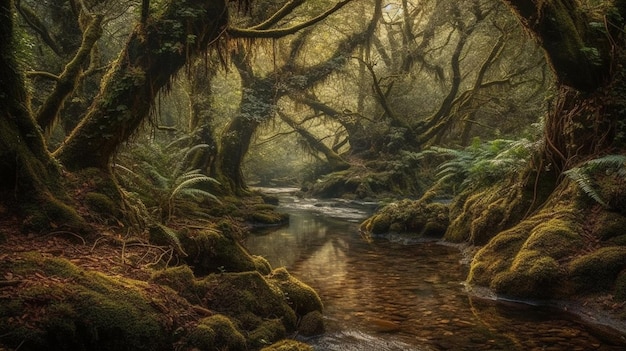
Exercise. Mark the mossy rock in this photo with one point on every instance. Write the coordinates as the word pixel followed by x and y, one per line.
pixel 161 235
pixel 288 345
pixel 266 333
pixel 532 275
pixel 217 332
pixel 209 251
pixel 248 297
pixel 301 297
pixel 556 238
pixel 179 278
pixel 102 204
pixel 611 225
pixel 411 217
pixel 597 270
pixel 84 310
pixel 311 324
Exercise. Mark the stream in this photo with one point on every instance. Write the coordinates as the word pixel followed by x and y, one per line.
pixel 396 294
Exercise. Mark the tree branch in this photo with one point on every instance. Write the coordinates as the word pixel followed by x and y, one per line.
pixel 282 32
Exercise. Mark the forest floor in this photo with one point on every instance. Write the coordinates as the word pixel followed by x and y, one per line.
pixel 106 252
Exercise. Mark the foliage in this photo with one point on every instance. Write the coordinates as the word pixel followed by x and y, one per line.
pixel 161 176
pixel 481 163
pixel 583 175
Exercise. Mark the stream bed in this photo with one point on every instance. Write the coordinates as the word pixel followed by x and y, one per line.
pixel 395 294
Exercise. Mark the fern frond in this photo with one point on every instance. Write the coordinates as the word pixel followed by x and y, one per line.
pixel 582 179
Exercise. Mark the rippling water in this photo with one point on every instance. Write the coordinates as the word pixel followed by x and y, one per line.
pixel 398 295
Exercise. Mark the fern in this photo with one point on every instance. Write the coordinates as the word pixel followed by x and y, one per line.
pixel 581 175
pixel 162 178
pixel 480 163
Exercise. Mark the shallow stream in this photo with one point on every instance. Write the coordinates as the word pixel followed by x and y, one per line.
pixel 394 294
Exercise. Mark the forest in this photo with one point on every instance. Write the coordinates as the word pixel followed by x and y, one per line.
pixel 136 138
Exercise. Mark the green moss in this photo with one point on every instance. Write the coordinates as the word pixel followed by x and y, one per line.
pixel 597 270
pixel 266 333
pixel 612 225
pixel 248 297
pixel 288 345
pixel 262 264
pixel 215 333
pixel 311 324
pixel 101 203
pixel 84 310
pixel 410 217
pixel 301 297
pixel 161 235
pixel 210 251
pixel 556 238
pixel 532 275
pixel 179 278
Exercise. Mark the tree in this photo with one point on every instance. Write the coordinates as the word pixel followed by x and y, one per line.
pixel 261 93
pixel 154 53
pixel 29 177
pixel 583 48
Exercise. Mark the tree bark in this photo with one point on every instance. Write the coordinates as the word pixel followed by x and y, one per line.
pixel 154 53
pixel 29 178
pixel 586 113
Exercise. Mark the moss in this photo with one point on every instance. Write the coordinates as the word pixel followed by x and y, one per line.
pixel 161 235
pixel 262 264
pixel 215 333
pixel 179 278
pixel 84 310
pixel 597 270
pixel 532 275
pixel 411 217
pixel 266 333
pixel 101 204
pixel 612 225
pixel 556 238
pixel 248 297
pixel 210 251
pixel 288 345
pixel 311 324
pixel 301 297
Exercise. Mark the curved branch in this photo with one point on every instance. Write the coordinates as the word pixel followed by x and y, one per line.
pixel 283 32
pixel 280 14
pixel 66 83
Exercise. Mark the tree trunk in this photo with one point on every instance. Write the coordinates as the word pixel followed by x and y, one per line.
pixel 154 53
pixel 29 178
pixel 586 112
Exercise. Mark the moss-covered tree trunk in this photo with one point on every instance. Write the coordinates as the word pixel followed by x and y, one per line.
pixel 29 178
pixel 154 53
pixel 583 46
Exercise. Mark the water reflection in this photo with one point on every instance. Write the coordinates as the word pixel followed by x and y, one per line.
pixel 383 295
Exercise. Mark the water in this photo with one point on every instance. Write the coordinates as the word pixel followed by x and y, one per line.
pixel 393 294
